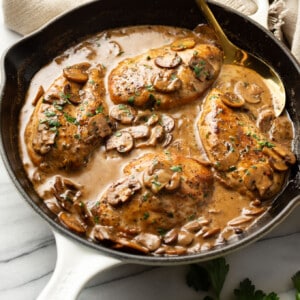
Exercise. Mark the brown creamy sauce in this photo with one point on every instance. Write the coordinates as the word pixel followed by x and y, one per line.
pixel 225 214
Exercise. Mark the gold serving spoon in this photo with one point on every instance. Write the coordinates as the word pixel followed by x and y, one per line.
pixel 235 55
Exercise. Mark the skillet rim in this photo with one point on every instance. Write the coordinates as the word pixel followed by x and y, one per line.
pixel 138 258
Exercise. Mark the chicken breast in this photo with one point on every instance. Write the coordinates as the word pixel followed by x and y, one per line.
pixel 69 120
pixel 166 77
pixel 159 192
pixel 243 157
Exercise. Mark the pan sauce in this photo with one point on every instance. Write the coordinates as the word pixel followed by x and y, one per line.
pixel 170 213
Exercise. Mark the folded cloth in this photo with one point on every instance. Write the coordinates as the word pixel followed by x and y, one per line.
pixel 283 19
pixel 25 16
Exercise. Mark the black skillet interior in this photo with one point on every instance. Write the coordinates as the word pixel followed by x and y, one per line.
pixel 24 59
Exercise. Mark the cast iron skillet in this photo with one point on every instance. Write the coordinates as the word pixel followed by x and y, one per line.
pixel 28 56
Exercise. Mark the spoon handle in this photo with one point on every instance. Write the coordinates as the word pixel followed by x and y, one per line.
pixel 212 21
pixel 231 52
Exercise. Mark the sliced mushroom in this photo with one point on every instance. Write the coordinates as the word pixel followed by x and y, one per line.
pixel 168 60
pixel 232 100
pixel 251 92
pixel 286 154
pixel 167 140
pixel 123 113
pixel 77 73
pixel 174 182
pixel 166 82
pixel 167 123
pixel 98 127
pixel 121 191
pixel 84 213
pixel 280 155
pixel 240 220
pixel 281 130
pixel 171 236
pixel 259 178
pixel 138 132
pixel 275 160
pixel 66 192
pixel 253 211
pixel 226 156
pixel 40 92
pixel 153 119
pixel 201 68
pixel 102 233
pixel 195 225
pixel 157 177
pixel 149 240
pixel 116 48
pixel 182 44
pixel 157 134
pixel 73 222
pixel 211 232
pixel 124 243
pixel 71 91
pixel 265 119
pixel 121 141
pixel 54 97
pixel 45 138
pixel 185 238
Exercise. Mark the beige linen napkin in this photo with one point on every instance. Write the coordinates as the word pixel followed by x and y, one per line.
pixel 25 16
pixel 283 19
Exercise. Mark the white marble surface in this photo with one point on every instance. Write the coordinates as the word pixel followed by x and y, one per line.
pixel 28 254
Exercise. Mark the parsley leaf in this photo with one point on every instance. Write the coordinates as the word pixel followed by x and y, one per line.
pixel 217 270
pixel 246 291
pixel 296 282
pixel 210 275
pixel 197 278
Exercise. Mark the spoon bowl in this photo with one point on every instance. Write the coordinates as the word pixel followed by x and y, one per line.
pixel 237 56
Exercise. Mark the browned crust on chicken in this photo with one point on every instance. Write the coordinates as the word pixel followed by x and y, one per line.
pixel 243 157
pixel 69 120
pixel 158 193
pixel 166 77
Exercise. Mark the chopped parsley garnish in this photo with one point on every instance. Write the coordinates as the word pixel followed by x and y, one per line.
pixel 146 215
pixel 118 133
pixel 71 119
pixel 49 113
pixel 231 168
pixel 177 168
pixel 53 123
pixel 266 144
pixel 131 100
pixel 149 88
pixel 162 231
pixel 99 109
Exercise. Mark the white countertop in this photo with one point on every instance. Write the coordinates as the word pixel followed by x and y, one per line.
pixel 28 254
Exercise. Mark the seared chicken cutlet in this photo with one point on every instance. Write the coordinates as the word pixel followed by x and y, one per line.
pixel 159 192
pixel 69 120
pixel 243 157
pixel 166 77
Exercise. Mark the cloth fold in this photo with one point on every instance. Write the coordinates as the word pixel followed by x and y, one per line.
pixel 26 16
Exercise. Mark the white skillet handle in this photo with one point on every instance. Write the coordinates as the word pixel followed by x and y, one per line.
pixel 261 15
pixel 75 265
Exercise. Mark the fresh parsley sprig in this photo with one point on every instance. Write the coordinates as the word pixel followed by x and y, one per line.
pixel 210 277
pixel 246 291
pixel 296 282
